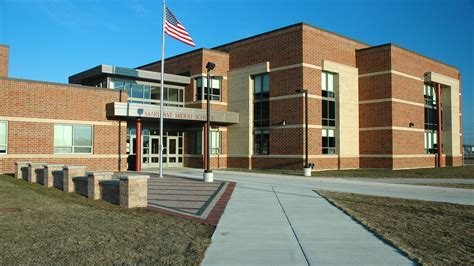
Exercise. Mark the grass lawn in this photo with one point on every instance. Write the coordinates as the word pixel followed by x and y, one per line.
pixel 47 226
pixel 431 233
pixel 465 171
pixel 449 185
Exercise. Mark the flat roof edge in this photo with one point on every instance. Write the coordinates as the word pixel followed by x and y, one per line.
pixel 183 54
pixel 77 86
pixel 408 50
pixel 128 72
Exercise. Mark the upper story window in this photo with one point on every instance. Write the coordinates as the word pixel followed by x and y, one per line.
pixel 201 85
pixel 3 137
pixel 431 119
pixel 261 103
pixel 150 94
pixel 261 114
pixel 328 113
pixel 73 139
pixel 430 94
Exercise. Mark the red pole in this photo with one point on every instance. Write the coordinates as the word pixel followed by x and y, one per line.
pixel 204 147
pixel 439 133
pixel 138 144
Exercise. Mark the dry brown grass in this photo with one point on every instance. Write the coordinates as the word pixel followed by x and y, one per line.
pixel 46 226
pixel 431 233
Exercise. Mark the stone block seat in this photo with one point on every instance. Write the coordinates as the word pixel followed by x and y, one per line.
pixel 93 179
pixel 52 172
pixel 35 172
pixel 70 171
pixel 21 170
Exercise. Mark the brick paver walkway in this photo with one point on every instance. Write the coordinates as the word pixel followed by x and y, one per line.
pixel 189 198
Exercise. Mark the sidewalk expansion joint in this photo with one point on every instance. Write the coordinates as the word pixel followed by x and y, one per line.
pixel 291 226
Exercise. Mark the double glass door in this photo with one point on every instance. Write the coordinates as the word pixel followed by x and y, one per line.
pixel 172 150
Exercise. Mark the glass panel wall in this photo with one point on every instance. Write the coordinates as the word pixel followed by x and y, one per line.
pixel 150 93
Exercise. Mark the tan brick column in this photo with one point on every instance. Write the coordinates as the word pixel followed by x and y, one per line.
pixel 18 167
pixel 93 179
pixel 134 191
pixel 33 171
pixel 48 173
pixel 69 172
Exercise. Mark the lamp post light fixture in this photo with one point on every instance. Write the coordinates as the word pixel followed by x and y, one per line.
pixel 307 167
pixel 208 175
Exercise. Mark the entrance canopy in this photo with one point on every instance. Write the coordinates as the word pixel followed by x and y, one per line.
pixel 176 114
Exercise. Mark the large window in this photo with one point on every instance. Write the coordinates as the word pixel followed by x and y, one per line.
pixel 261 141
pixel 329 141
pixel 150 94
pixel 198 142
pixel 431 119
pixel 3 137
pixel 215 142
pixel 328 113
pixel 201 84
pixel 261 114
pixel 73 139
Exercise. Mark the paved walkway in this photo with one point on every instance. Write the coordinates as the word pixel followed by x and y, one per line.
pixel 188 198
pixel 372 187
pixel 279 220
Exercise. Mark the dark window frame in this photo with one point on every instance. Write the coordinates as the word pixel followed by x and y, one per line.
pixel 261 119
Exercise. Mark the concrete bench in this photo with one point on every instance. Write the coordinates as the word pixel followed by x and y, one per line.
pixel 80 185
pixel 52 172
pixel 35 172
pixel 110 191
pixel 130 191
pixel 133 191
pixel 21 170
pixel 93 179
pixel 70 171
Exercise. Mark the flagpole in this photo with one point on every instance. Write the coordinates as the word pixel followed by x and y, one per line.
pixel 162 86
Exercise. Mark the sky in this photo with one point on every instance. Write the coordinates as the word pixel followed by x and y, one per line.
pixel 51 40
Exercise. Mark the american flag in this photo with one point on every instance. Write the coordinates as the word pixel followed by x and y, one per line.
pixel 176 30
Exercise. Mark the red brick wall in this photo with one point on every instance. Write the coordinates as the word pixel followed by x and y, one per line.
pixel 3 61
pixel 41 105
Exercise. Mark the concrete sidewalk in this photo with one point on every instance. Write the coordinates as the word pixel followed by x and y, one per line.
pixel 273 225
pixel 372 187
pixel 273 222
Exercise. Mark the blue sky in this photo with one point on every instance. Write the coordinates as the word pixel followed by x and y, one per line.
pixel 53 39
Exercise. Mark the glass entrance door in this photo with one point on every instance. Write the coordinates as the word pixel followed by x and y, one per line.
pixel 172 152
pixel 155 150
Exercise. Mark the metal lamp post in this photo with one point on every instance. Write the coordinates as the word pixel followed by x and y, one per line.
pixel 307 168
pixel 208 175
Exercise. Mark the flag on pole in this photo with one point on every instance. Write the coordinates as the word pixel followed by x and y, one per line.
pixel 176 30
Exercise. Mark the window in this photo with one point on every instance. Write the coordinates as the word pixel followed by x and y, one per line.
pixel 328 113
pixel 431 119
pixel 72 139
pixel 198 142
pixel 3 137
pixel 329 141
pixel 150 94
pixel 201 83
pixel 261 142
pixel 215 142
pixel 261 114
